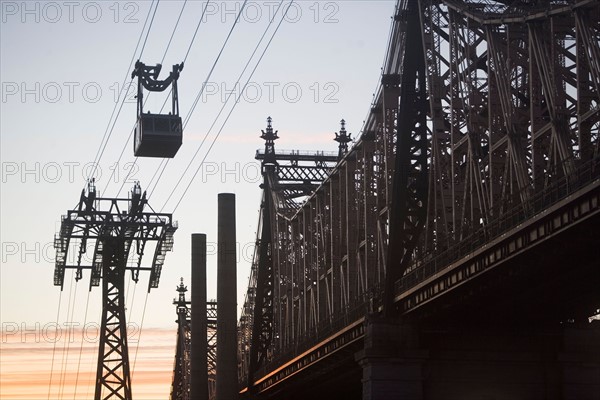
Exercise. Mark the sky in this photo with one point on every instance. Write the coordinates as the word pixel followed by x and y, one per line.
pixel 65 68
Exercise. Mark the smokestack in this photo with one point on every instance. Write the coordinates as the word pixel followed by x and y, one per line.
pixel 199 362
pixel 227 383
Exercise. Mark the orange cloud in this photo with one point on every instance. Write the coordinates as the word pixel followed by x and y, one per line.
pixel 34 367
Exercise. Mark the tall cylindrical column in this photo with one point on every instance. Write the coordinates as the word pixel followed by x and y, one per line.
pixel 227 383
pixel 199 362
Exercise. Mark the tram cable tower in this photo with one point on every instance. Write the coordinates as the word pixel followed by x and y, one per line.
pixel 118 229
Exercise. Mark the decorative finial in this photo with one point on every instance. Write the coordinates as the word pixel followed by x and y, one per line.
pixel 343 138
pixel 181 289
pixel 269 137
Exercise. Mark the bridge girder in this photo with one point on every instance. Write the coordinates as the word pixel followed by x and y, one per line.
pixel 506 96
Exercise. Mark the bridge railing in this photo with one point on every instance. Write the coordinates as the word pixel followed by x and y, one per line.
pixel 325 329
pixel 301 154
pixel 432 264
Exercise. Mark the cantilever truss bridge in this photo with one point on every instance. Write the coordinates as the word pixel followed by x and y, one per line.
pixel 471 194
pixel 482 143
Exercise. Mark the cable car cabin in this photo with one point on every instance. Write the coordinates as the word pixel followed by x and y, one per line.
pixel 157 135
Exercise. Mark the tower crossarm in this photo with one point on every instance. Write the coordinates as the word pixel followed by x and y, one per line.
pixel 82 230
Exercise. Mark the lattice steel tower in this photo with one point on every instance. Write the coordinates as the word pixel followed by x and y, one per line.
pixel 114 226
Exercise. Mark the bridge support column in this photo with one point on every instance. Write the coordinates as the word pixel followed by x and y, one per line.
pixel 580 363
pixel 227 379
pixel 391 361
pixel 512 362
pixel 199 362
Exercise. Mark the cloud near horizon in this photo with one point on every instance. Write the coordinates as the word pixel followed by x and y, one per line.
pixel 29 364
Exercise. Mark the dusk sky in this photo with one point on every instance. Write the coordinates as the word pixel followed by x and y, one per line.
pixel 63 65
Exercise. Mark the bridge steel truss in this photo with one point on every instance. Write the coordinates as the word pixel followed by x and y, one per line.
pixel 488 113
pixel 180 387
pixel 182 368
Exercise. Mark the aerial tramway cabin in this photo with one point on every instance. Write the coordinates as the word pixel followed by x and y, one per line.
pixel 157 135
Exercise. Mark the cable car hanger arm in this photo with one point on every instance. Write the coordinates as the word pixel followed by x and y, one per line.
pixel 147 76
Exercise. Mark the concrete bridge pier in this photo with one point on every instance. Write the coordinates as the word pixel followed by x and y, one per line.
pixel 391 361
pixel 580 363
pixel 480 361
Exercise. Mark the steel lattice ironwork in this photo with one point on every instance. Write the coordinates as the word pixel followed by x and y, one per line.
pixel 488 114
pixel 113 227
pixel 211 347
pixel 180 386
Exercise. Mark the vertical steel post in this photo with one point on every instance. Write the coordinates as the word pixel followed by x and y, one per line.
pixel 113 379
pixel 227 382
pixel 199 367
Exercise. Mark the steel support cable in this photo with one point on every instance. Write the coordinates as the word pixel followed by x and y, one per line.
pixel 139 339
pixel 162 107
pixel 184 59
pixel 60 381
pixel 222 126
pixel 145 100
pixel 108 132
pixel 82 342
pixel 54 347
pixel 173 34
pixel 130 305
pixel 87 303
pixel 123 88
pixel 195 103
pixel 220 111
pixel 67 345
pixel 197 99
pixel 170 90
pixel 233 108
pixel 127 289
pixel 131 261
pixel 137 346
pixel 93 365
pixel 256 66
pixel 163 161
